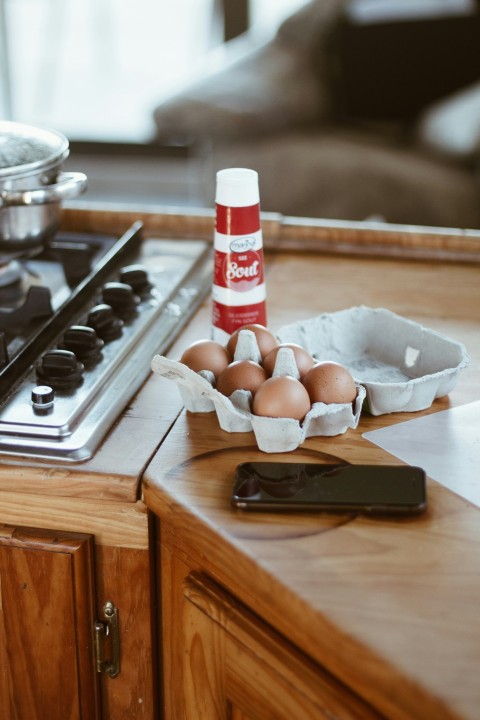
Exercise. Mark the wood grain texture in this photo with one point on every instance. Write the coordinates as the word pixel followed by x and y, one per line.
pixel 377 239
pixel 214 649
pixel 263 674
pixel 112 523
pixel 203 679
pixel 237 714
pixel 47 614
pixel 389 607
pixel 123 575
pixel 46 634
pixel 376 602
pixel 293 234
pixel 171 572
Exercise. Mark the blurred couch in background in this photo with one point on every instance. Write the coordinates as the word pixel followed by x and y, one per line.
pixel 355 109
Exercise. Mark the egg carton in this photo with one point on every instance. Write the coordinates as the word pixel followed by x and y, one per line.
pixel 403 366
pixel 234 414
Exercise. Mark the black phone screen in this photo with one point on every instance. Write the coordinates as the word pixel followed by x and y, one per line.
pixel 338 488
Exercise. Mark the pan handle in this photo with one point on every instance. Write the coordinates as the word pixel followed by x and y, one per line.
pixel 68 185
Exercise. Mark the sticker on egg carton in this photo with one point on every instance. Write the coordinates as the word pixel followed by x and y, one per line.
pixel 234 414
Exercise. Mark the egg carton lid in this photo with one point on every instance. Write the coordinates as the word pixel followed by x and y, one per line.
pixel 402 365
pixel 234 415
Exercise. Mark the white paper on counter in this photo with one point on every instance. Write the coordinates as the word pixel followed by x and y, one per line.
pixel 446 444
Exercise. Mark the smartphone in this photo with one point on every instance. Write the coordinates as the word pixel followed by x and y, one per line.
pixel 397 489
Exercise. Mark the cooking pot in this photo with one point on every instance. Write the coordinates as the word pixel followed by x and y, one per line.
pixel 32 186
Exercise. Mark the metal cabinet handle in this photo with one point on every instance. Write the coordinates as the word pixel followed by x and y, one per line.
pixel 108 660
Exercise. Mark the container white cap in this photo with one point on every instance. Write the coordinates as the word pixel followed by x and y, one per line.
pixel 237 187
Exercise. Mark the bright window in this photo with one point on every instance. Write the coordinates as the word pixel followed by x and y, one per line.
pixel 95 69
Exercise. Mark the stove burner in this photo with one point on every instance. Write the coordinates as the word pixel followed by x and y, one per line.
pixel 36 290
pixel 78 334
pixel 23 299
pixel 75 257
pixel 37 305
pixel 11 274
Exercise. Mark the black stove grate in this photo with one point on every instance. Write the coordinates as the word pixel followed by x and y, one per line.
pixel 28 329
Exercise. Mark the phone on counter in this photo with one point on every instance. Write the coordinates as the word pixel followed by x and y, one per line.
pixel 391 489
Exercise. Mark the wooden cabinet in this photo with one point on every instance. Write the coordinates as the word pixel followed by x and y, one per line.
pixel 47 612
pixel 54 586
pixel 222 661
pixel 237 666
pixel 55 582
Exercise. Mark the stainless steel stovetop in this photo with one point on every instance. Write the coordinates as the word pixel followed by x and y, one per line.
pixel 77 345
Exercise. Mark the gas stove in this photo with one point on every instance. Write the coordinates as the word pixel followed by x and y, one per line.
pixel 79 325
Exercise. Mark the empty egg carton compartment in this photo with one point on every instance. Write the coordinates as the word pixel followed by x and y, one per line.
pixel 402 365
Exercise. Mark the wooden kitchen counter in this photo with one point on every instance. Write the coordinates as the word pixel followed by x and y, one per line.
pixel 382 612
pixel 356 618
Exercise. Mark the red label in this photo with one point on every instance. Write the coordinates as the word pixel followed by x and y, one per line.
pixel 237 220
pixel 230 318
pixel 238 271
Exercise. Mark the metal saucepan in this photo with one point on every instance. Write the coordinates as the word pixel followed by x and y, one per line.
pixel 32 186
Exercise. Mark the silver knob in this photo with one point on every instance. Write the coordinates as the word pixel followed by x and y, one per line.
pixel 42 397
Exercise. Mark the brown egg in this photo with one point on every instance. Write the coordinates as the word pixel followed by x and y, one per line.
pixel 330 382
pixel 281 396
pixel 303 359
pixel 265 339
pixel 241 375
pixel 206 355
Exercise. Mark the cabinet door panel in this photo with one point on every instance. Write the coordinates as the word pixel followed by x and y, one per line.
pixel 258 674
pixel 46 619
pixel 123 576
pixel 204 667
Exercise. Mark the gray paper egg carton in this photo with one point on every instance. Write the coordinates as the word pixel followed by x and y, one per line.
pixel 234 413
pixel 403 366
pixel 398 366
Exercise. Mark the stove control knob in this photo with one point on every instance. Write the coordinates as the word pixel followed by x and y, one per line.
pixel 121 298
pixel 105 323
pixel 84 342
pixel 137 277
pixel 42 397
pixel 60 369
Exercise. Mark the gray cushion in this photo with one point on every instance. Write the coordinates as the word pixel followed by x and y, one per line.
pixel 260 89
pixel 452 126
pixel 349 175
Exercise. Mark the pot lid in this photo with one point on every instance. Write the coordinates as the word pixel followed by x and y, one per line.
pixel 25 148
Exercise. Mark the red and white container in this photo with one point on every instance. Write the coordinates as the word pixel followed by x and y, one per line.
pixel 238 292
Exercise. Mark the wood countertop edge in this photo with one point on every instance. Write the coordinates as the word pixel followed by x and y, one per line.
pixel 100 478
pixel 389 690
pixel 59 480
pixel 116 524
pixel 285 233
